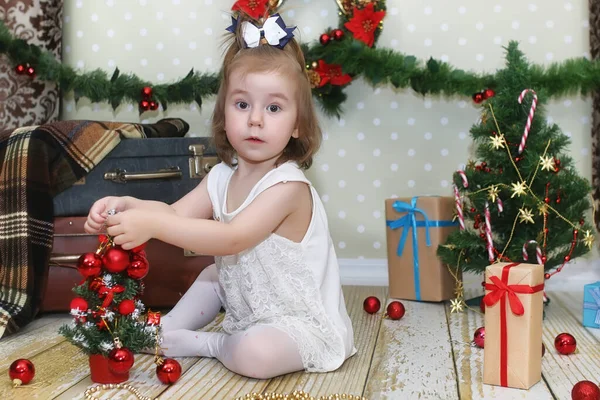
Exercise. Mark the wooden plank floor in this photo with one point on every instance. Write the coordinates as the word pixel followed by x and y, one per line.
pixel 425 355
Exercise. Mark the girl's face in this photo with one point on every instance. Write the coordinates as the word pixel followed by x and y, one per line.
pixel 260 115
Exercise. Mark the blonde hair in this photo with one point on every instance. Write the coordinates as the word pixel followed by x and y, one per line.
pixel 288 61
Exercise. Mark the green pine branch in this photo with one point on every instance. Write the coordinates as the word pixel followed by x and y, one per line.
pixel 378 66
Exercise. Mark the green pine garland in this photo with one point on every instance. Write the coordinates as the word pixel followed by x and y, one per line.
pixel 377 66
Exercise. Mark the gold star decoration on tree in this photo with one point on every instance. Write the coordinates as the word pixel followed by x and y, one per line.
pixel 588 239
pixel 543 208
pixel 497 141
pixel 493 193
pixel 459 289
pixel 547 163
pixel 518 189
pixel 457 305
pixel 471 164
pixel 525 215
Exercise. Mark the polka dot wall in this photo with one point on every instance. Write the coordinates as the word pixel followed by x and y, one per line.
pixel 387 143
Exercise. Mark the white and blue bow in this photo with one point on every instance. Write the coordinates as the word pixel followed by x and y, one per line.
pixel 274 31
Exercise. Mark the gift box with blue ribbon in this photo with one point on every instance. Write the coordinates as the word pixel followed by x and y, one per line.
pixel 591 305
pixel 415 228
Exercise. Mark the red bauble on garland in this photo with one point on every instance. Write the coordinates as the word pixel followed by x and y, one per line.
pixel 585 390
pixel 126 307
pixel 89 265
pixel 395 310
pixel 337 34
pixel 138 267
pixel 324 39
pixel 147 92
pixel 479 337
pixel 371 304
pixel 20 69
pixel 21 371
pixel 115 260
pixel 478 97
pixel 169 371
pixel 565 343
pixel 487 93
pixel 120 360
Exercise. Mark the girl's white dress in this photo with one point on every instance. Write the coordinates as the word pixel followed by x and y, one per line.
pixel 291 286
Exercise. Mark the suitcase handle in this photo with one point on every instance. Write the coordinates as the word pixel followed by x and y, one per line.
pixel 122 176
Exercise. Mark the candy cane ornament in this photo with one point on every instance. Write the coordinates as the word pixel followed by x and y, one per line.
pixel 488 233
pixel 529 117
pixel 538 251
pixel 459 211
pixel 463 177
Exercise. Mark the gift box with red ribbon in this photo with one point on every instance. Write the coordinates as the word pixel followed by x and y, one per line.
pixel 513 324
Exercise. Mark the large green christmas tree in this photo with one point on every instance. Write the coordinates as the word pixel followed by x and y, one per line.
pixel 531 193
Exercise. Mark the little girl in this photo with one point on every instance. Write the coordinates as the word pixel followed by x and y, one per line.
pixel 275 272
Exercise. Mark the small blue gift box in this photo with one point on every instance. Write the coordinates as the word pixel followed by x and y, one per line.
pixel 591 305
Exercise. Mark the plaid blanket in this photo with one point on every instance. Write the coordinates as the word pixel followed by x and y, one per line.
pixel 37 163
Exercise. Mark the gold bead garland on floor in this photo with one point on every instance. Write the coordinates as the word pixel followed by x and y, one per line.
pixel 295 395
pixel 89 393
pixel 299 395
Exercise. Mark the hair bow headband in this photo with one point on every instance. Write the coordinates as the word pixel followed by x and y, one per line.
pixel 274 31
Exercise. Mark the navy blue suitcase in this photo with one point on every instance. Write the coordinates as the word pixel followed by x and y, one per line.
pixel 162 169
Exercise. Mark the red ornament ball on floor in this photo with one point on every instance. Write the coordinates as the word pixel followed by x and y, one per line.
pixel 395 310
pixel 565 343
pixel 21 371
pixel 371 304
pixel 169 371
pixel 479 337
pixel 585 390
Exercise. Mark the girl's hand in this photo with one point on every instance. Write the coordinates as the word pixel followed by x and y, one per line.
pixel 96 219
pixel 131 228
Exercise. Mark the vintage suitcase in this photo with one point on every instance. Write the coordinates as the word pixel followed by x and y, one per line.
pixel 162 169
pixel 172 270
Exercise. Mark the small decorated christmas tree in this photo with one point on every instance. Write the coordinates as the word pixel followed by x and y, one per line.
pixel 108 321
pixel 521 199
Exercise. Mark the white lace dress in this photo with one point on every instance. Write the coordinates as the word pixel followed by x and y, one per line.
pixel 291 286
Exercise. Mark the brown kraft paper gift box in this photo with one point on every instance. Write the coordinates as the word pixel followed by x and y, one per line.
pixel 513 325
pixel 434 280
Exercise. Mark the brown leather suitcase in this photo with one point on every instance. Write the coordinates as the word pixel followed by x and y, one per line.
pixel 172 270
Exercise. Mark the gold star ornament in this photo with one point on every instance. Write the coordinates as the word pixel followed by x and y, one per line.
pixel 471 164
pixel 493 193
pixel 588 239
pixel 497 141
pixel 518 189
pixel 459 289
pixel 457 305
pixel 543 208
pixel 547 163
pixel 525 215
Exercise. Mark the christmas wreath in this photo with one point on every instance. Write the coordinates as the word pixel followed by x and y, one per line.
pixel 340 55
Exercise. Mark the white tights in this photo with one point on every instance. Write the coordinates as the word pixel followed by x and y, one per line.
pixel 260 352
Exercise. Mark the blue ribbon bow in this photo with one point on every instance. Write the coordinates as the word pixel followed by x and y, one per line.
pixel 595 305
pixel 408 222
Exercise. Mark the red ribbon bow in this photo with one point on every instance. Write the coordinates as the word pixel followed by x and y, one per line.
pixel 109 292
pixel 500 290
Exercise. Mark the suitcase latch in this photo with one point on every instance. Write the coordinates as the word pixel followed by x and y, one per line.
pixel 200 165
pixel 122 176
